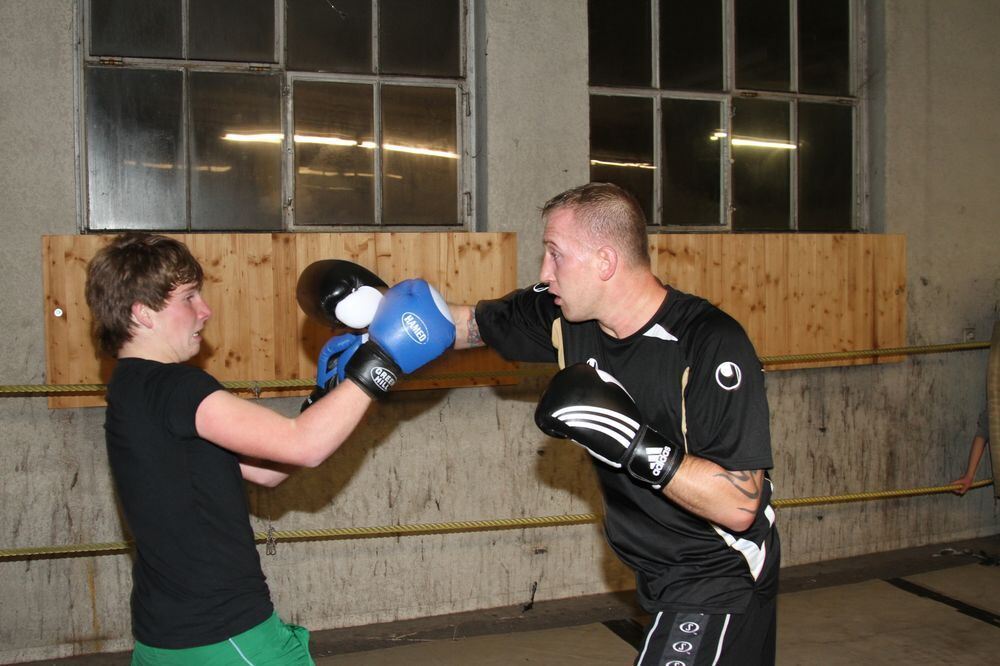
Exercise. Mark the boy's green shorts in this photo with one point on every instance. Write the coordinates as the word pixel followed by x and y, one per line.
pixel 271 642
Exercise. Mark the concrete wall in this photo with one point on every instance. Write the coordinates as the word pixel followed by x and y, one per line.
pixel 474 453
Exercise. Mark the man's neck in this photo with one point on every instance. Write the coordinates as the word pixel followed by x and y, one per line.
pixel 636 300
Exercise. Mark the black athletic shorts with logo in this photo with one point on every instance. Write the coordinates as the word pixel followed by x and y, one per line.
pixel 695 639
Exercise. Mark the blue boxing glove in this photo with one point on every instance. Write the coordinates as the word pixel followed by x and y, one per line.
pixel 333 359
pixel 412 326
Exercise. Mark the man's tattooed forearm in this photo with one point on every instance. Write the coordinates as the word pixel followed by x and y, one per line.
pixel 473 337
pixel 745 482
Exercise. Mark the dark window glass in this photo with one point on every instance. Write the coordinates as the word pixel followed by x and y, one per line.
pixel 235 151
pixel 135 153
pixel 691 44
pixel 691 162
pixel 824 47
pixel 825 167
pixel 127 28
pixel 419 155
pixel 419 38
pixel 620 50
pixel 236 30
pixel 329 36
pixel 334 153
pixel 621 145
pixel 762 45
pixel 761 165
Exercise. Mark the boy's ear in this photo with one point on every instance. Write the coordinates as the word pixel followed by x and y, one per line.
pixel 140 315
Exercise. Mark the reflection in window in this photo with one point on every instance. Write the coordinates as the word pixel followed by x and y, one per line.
pixel 419 38
pixel 691 161
pixel 824 48
pixel 334 153
pixel 236 30
pixel 691 45
pixel 753 114
pixel 619 34
pixel 825 173
pixel 761 153
pixel 235 183
pixel 763 57
pixel 147 29
pixel 329 36
pixel 135 150
pixel 419 155
pixel 203 147
pixel 621 145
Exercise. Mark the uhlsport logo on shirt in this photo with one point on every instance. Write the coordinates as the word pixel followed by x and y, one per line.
pixel 415 328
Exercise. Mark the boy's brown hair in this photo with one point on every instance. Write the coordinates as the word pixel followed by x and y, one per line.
pixel 135 267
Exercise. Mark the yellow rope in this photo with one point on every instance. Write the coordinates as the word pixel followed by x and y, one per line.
pixel 534 370
pixel 119 547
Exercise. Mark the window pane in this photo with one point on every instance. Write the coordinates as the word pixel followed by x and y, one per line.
pixel 329 36
pixel 620 34
pixel 825 167
pixel 621 145
pixel 237 30
pixel 691 44
pixel 135 153
pixel 147 29
pixel 420 38
pixel 761 165
pixel 236 151
pixel 419 155
pixel 692 156
pixel 762 44
pixel 334 153
pixel 824 49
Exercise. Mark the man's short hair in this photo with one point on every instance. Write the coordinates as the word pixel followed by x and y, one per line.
pixel 134 267
pixel 610 215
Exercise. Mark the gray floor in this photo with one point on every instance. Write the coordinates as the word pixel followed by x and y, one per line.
pixel 937 604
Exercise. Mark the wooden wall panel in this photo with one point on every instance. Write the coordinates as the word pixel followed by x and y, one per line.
pixel 796 293
pixel 257 331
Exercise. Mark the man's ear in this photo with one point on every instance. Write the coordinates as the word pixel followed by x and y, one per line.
pixel 607 262
pixel 140 315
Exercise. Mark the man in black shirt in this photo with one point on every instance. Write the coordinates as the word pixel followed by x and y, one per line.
pixel 696 525
pixel 180 447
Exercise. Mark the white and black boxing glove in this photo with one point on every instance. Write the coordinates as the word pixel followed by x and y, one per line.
pixel 335 292
pixel 591 408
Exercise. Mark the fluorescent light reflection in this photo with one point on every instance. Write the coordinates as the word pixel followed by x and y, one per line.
pixel 169 166
pixel 754 143
pixel 268 137
pixel 627 165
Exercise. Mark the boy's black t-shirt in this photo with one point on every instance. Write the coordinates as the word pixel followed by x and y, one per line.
pixel 696 379
pixel 197 578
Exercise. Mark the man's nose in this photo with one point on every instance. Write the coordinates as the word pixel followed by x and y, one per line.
pixel 545 272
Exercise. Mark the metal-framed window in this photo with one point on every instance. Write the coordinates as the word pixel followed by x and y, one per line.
pixel 746 115
pixel 270 115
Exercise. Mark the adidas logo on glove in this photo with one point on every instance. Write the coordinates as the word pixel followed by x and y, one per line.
pixel 658 457
pixel 590 407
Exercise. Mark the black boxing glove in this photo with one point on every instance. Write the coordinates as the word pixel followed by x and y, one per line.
pixel 337 292
pixel 591 408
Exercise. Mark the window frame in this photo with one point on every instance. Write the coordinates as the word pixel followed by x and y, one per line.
pixel 465 118
pixel 860 192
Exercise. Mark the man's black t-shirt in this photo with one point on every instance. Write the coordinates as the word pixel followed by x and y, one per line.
pixel 196 577
pixel 696 379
